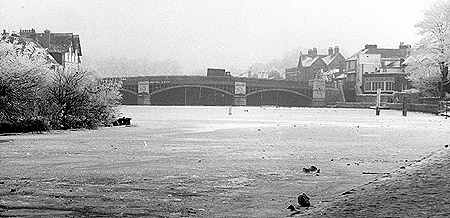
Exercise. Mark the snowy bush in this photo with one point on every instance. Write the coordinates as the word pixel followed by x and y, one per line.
pixel 33 97
pixel 22 80
pixel 79 100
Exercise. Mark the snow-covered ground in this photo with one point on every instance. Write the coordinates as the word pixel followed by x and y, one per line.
pixel 178 161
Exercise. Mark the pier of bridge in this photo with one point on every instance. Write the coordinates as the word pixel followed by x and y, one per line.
pixel 210 90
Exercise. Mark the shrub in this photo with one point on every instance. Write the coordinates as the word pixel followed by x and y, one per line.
pixel 29 125
pixel 35 98
pixel 79 100
pixel 22 78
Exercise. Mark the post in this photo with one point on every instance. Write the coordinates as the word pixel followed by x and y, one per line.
pixel 278 99
pixel 377 107
pixel 446 109
pixel 200 96
pixel 261 99
pixel 185 100
pixel 404 105
pixel 444 74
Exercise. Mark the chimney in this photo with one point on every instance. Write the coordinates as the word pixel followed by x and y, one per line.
pixel 330 51
pixel 47 37
pixel 4 32
pixel 300 63
pixel 336 49
pixel 28 33
pixel 314 51
pixel 310 52
pixel 368 46
pixel 404 46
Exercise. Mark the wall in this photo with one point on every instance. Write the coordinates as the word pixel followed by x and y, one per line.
pixel 426 108
pixel 332 96
pixel 354 104
pixel 373 97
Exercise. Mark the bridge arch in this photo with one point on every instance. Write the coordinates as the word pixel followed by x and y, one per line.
pixel 128 91
pixel 129 97
pixel 191 86
pixel 279 90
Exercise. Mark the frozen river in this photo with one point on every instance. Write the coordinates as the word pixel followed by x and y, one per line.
pixel 201 161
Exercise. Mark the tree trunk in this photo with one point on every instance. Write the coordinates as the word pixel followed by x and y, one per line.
pixel 444 80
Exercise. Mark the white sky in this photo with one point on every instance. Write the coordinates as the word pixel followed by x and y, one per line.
pixel 211 33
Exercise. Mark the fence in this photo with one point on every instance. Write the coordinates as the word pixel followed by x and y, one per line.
pixel 444 108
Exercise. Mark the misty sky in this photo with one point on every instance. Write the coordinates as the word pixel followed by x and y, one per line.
pixel 225 34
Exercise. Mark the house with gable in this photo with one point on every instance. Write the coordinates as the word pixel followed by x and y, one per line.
pixel 313 65
pixel 375 68
pixel 28 47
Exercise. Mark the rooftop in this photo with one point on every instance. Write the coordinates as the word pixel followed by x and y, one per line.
pixel 54 42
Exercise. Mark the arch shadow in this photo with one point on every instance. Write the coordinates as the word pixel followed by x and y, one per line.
pixel 128 91
pixel 191 86
pixel 129 97
pixel 279 90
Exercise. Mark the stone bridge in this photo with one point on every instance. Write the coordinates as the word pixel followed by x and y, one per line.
pixel 226 90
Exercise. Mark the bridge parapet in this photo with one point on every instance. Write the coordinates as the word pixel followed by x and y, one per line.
pixel 319 91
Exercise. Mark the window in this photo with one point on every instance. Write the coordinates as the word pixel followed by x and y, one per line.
pixel 368 86
pixel 389 86
pixel 404 86
pixel 351 65
pixel 372 86
pixel 377 85
pixel 396 64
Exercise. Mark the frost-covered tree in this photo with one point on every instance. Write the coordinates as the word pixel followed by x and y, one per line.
pixel 34 97
pixel 22 79
pixel 77 99
pixel 428 65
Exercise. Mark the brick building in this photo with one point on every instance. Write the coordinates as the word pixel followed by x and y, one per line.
pixel 313 65
pixel 375 68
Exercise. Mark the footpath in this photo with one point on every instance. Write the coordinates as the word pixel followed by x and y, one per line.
pixel 421 189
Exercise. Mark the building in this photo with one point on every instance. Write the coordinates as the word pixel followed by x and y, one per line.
pixel 64 48
pixel 274 75
pixel 27 46
pixel 217 72
pixel 314 65
pixel 375 68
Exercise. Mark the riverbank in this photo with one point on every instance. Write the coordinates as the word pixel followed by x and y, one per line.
pixel 421 189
